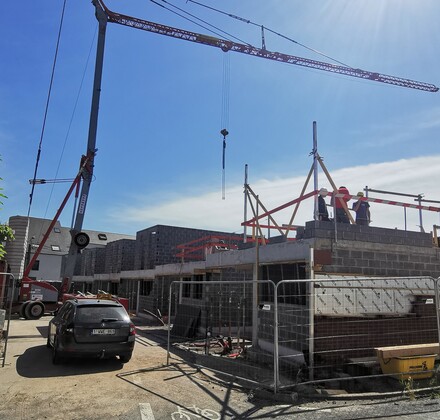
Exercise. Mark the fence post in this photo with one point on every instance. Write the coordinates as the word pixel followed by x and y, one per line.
pixel 311 315
pixel 11 290
pixel 256 277
pixel 437 305
pixel 275 335
pixel 169 323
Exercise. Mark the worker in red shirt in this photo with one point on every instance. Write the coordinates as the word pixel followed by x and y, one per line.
pixel 341 215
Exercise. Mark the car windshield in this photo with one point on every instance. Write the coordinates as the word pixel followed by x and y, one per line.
pixel 101 313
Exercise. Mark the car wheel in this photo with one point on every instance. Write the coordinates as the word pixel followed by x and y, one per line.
pixel 22 311
pixel 56 354
pixel 125 358
pixel 34 310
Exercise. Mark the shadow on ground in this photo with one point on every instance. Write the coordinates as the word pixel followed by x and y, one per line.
pixel 36 362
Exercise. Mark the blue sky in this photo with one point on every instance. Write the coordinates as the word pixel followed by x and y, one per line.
pixel 159 143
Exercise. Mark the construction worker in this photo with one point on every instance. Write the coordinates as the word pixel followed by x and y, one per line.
pixel 362 210
pixel 341 215
pixel 322 206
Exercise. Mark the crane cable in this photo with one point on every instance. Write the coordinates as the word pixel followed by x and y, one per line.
pixel 31 195
pixel 225 82
pixel 215 32
pixel 225 116
pixel 268 30
pixel 56 180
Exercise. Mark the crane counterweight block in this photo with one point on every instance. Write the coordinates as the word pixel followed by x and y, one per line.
pixel 226 45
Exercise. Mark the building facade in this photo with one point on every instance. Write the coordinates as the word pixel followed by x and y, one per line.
pixel 29 231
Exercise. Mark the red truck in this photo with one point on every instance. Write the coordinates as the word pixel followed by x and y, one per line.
pixel 35 298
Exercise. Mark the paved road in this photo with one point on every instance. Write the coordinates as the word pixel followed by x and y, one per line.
pixel 31 387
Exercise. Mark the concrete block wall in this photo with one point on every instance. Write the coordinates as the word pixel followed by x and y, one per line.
pixel 338 339
pixel 293 326
pixel 92 262
pixel 157 245
pixel 119 256
pixel 158 297
pixel 86 263
pixel 228 297
pixel 399 261
pixel 370 251
pixel 348 232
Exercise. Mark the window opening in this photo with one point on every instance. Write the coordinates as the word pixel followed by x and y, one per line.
pixel 198 287
pixel 186 289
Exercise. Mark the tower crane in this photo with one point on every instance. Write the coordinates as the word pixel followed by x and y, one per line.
pixel 226 45
pixel 105 15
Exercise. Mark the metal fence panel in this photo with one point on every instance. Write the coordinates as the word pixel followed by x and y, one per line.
pixel 318 330
pixel 221 325
pixel 7 287
pixel 342 321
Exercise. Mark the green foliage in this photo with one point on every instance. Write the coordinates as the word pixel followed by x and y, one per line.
pixel 408 388
pixel 5 234
pixel 5 231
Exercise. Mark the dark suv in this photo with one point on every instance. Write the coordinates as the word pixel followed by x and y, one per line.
pixel 91 328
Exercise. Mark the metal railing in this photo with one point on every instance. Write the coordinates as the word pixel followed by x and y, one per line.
pixel 5 313
pixel 300 331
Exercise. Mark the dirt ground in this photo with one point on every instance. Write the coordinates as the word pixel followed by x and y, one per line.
pixel 31 387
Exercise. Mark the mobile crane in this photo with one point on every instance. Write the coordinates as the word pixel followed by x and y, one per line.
pixel 34 300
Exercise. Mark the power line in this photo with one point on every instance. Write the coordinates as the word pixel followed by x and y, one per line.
pixel 47 107
pixel 70 125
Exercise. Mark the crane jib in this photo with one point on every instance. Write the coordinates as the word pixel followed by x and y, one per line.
pixel 226 45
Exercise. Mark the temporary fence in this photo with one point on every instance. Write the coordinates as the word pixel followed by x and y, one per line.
pixel 305 331
pixel 217 323
pixel 343 323
pixel 7 285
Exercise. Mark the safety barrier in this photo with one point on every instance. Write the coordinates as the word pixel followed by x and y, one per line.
pixel 218 326
pixel 342 322
pixel 323 330
pixel 7 286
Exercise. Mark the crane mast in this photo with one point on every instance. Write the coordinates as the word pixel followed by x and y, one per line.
pixel 78 238
pixel 226 45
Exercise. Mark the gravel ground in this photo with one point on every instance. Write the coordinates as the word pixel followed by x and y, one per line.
pixel 31 387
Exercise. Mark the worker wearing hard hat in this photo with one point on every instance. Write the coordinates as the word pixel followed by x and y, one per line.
pixel 341 215
pixel 362 210
pixel 322 206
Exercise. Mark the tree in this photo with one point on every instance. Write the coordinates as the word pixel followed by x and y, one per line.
pixel 5 231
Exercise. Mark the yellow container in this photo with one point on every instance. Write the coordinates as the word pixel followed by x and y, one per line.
pixel 416 367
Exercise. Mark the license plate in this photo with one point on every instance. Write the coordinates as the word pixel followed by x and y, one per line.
pixel 103 331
